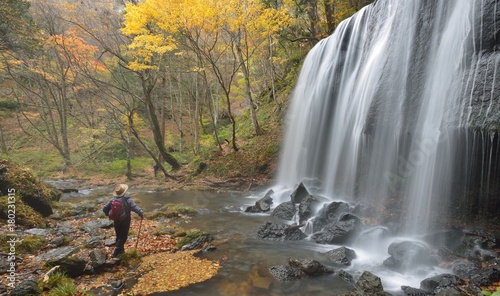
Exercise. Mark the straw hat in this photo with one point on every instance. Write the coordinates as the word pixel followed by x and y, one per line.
pixel 120 190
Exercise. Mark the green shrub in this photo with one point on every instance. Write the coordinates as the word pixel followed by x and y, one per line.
pixel 31 244
pixel 130 257
pixel 64 289
pixel 9 105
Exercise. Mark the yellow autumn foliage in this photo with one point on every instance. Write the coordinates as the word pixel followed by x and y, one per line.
pixel 164 272
pixel 161 26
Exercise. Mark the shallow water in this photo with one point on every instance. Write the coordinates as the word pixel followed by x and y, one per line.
pixel 245 259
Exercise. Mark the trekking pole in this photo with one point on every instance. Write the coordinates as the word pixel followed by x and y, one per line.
pixel 138 234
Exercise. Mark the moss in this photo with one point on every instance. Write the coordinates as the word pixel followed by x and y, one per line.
pixel 56 279
pixel 190 235
pixel 172 211
pixel 25 189
pixel 130 257
pixel 162 230
pixel 65 289
pixel 31 244
pixel 24 214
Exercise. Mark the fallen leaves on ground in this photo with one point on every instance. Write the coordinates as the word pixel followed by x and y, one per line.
pixel 164 272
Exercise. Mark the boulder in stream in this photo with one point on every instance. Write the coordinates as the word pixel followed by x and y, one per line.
pixel 329 214
pixel 309 267
pixel 341 256
pixel 284 211
pixel 280 231
pixel 441 283
pixel 408 255
pixel 299 193
pixel 342 231
pixel 262 205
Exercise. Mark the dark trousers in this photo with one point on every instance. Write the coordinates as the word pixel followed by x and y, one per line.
pixel 121 230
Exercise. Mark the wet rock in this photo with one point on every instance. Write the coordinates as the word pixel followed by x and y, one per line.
pixel 38 231
pixel 110 242
pixel 230 209
pixel 309 267
pixel 341 256
pixel 409 291
pixel 485 277
pixel 208 248
pixel 57 241
pixel 64 228
pixel 457 243
pixel 198 243
pixel 347 277
pixel 369 284
pixel 284 211
pixel 27 287
pixel 464 269
pixel 71 266
pixel 451 291
pixel 299 193
pixel 329 214
pixel 280 231
pixel 85 208
pixel 409 254
pixel 285 273
pixel 56 254
pixel 307 208
pixel 98 258
pixel 95 242
pixel 340 232
pixel 262 205
pixel 441 282
pixel 92 227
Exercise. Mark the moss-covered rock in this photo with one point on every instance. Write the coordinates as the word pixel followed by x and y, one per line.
pixel 31 198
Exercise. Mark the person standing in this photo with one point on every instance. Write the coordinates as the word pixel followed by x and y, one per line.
pixel 121 225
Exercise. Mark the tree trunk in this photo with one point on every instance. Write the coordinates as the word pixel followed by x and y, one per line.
pixel 329 11
pixel 2 141
pixel 248 91
pixel 148 150
pixel 196 118
pixel 273 78
pixel 233 123
pixel 155 128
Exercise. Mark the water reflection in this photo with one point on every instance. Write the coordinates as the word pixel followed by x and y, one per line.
pixel 244 258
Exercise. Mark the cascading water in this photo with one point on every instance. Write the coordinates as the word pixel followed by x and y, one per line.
pixel 390 104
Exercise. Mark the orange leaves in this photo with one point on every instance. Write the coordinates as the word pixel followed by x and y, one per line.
pixel 167 272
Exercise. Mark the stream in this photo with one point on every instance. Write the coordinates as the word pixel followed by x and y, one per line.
pixel 245 258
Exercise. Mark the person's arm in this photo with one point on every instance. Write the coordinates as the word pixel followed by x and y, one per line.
pixel 135 208
pixel 107 207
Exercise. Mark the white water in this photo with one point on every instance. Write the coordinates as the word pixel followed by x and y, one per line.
pixel 368 121
pixel 374 115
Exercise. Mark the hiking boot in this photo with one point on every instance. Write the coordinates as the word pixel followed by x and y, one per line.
pixel 117 253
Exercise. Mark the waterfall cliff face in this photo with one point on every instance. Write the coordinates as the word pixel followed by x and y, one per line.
pixel 402 101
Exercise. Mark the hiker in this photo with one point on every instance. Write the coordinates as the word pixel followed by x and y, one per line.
pixel 123 205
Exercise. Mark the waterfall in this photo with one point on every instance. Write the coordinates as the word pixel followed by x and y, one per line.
pixel 388 107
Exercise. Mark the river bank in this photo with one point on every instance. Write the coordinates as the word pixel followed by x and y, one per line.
pixel 77 244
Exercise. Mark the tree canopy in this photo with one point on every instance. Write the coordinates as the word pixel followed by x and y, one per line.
pixel 167 80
